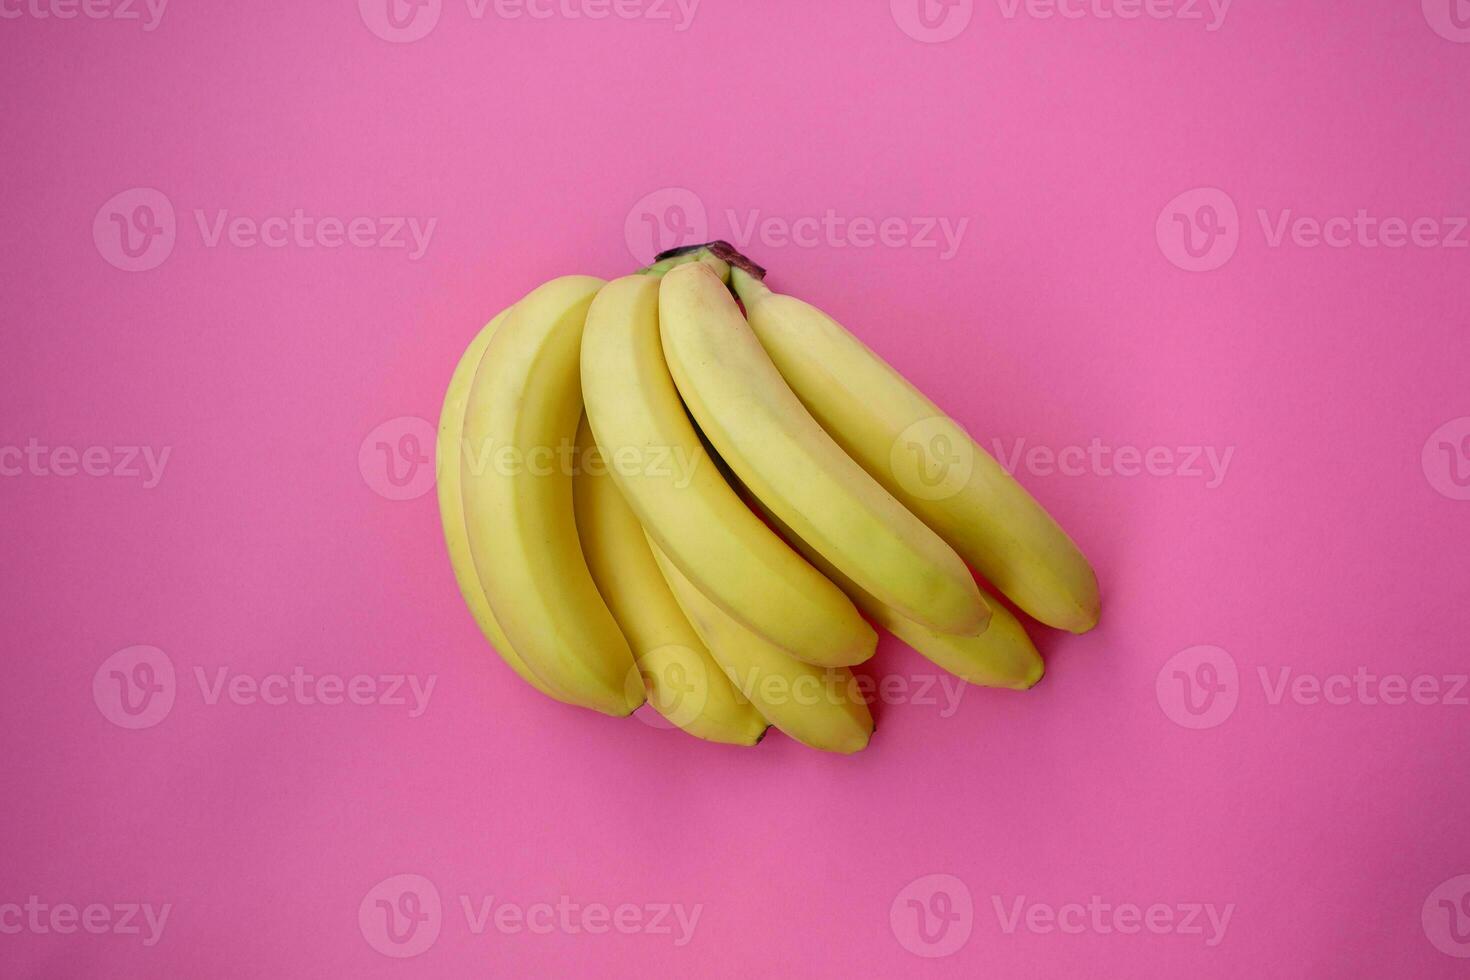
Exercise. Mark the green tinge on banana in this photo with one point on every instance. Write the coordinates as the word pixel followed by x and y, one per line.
pixel 449 462
pixel 524 406
pixel 821 707
pixel 925 459
pixel 684 682
pixel 682 500
pixel 769 439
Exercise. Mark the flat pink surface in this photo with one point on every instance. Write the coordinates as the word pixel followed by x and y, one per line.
pixel 1256 766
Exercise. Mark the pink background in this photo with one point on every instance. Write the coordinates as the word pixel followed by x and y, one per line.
pixel 1335 540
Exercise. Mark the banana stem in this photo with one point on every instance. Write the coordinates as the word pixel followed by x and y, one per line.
pixel 720 249
pixel 686 256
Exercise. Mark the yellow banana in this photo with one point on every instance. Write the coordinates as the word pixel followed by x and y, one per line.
pixel 684 683
pixel 821 707
pixel 925 459
pixel 777 449
pixel 685 504
pixel 449 460
pixel 520 428
pixel 1002 656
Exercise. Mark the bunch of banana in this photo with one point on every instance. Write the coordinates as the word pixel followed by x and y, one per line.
pixel 650 494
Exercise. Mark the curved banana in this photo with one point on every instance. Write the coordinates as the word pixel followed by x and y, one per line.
pixel 685 685
pixel 1002 656
pixel 683 501
pixel 759 427
pixel 821 707
pixel 912 448
pixel 448 462
pixel 520 425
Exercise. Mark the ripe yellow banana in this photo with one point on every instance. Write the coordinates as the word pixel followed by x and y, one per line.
pixel 925 459
pixel 818 706
pixel 684 683
pixel 1002 656
pixel 449 462
pixel 680 497
pixel 520 429
pixel 772 443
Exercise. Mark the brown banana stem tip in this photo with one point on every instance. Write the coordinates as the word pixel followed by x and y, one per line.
pixel 720 250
